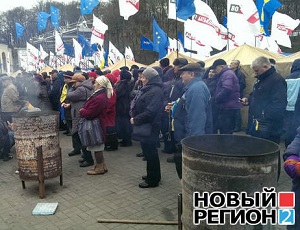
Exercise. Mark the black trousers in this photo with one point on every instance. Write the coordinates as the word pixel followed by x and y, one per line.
pixel 87 155
pixel 153 164
pixel 227 121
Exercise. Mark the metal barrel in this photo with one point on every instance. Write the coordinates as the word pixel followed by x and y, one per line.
pixel 225 163
pixel 31 130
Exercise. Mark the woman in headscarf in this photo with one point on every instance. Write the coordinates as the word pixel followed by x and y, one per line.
pixel 147 107
pixel 95 107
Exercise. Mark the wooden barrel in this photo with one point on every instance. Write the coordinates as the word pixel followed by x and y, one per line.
pixel 225 163
pixel 31 131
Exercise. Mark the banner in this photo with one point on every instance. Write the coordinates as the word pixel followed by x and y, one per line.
pixel 77 52
pixel 54 17
pixel 128 8
pixel 98 31
pixel 114 54
pixel 59 45
pixel 282 27
pixel 42 20
pixel 146 43
pixel 87 6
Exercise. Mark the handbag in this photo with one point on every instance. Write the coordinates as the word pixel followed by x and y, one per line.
pixel 141 131
pixel 90 132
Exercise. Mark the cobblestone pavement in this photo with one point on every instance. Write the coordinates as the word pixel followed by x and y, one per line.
pixel 83 199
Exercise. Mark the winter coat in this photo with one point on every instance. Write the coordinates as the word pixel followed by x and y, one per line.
pixel 228 90
pixel 96 107
pixel 111 110
pixel 54 95
pixel 192 115
pixel 77 97
pixel 269 99
pixel 147 106
pixel 9 98
pixel 123 91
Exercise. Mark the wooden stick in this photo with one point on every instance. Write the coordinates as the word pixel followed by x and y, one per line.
pixel 157 222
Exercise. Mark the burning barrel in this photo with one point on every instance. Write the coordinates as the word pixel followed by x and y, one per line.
pixel 33 130
pixel 225 163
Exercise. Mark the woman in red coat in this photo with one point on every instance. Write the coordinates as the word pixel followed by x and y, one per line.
pixel 95 107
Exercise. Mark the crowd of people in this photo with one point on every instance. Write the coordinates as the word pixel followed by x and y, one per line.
pixel 176 100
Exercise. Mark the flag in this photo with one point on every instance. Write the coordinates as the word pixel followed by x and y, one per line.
pixel 146 43
pixel 98 31
pixel 54 16
pixel 77 52
pixel 205 26
pixel 224 22
pixel 87 6
pixel 180 38
pixel 129 54
pixel 19 30
pixel 32 57
pixel 87 49
pixel 160 40
pixel 243 21
pixel 69 50
pixel 266 9
pixel 128 8
pixel 114 54
pixel 193 44
pixel 185 9
pixel 42 20
pixel 59 45
pixel 43 54
pixel 52 60
pixel 282 27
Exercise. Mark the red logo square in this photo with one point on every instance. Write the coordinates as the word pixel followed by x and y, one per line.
pixel 286 199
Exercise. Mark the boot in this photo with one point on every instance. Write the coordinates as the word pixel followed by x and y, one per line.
pixel 99 169
pixel 105 168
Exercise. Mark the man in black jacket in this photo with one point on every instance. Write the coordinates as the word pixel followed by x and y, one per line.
pixel 267 102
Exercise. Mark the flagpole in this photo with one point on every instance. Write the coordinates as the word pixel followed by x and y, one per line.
pixel 176 24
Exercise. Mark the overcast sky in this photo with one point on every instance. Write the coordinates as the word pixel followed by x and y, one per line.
pixel 10 4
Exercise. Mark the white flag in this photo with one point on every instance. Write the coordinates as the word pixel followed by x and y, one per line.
pixel 174 45
pixel 206 26
pixel 129 54
pixel 43 54
pixel 98 31
pixel 77 52
pixel 32 57
pixel 128 8
pixel 243 20
pixel 194 46
pixel 8 62
pixel 114 54
pixel 265 42
pixel 59 45
pixel 282 27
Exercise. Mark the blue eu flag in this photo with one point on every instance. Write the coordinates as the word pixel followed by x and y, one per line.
pixel 42 20
pixel 69 50
pixel 54 16
pixel 160 40
pixel 87 6
pixel 19 30
pixel 146 43
pixel 87 49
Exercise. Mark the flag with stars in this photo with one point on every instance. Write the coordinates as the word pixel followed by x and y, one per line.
pixel 42 20
pixel 87 6
pixel 160 40
pixel 19 30
pixel 54 16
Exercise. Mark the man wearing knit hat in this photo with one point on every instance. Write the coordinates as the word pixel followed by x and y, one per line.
pixel 146 109
pixel 192 115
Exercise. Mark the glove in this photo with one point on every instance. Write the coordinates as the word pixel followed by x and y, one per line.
pixel 292 166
